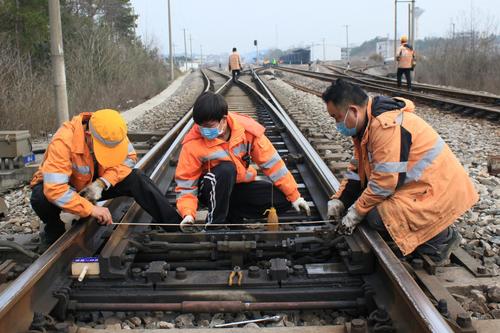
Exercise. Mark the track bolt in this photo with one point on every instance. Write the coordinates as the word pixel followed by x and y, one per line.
pixel 180 273
pixel 417 263
pixel 443 307
pixel 464 320
pixel 481 270
pixel 358 326
pixel 253 272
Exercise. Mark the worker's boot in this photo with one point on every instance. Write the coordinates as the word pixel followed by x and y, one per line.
pixel 440 253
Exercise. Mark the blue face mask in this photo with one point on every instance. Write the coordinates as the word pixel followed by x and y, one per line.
pixel 210 132
pixel 344 130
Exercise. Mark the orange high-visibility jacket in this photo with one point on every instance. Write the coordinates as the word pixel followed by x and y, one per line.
pixel 198 155
pixel 234 61
pixel 405 56
pixel 408 172
pixel 68 166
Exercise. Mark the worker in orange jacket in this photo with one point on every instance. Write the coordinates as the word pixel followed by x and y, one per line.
pixel 405 57
pixel 89 159
pixel 214 167
pixel 403 178
pixel 235 65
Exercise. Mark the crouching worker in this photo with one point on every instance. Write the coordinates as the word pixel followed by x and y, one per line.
pixel 89 159
pixel 403 178
pixel 214 166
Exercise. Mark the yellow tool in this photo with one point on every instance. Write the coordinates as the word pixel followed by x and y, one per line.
pixel 272 219
pixel 236 271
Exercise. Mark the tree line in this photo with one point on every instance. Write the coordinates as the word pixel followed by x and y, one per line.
pixel 107 64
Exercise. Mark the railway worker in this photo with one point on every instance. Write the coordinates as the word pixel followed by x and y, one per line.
pixel 214 167
pixel 403 177
pixel 89 159
pixel 235 65
pixel 406 62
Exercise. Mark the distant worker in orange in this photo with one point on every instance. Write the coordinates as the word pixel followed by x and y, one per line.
pixel 403 178
pixel 235 65
pixel 89 159
pixel 406 61
pixel 215 167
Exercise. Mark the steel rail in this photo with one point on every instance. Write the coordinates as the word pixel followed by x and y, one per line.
pixel 32 291
pixel 417 302
pixel 490 111
pixel 477 96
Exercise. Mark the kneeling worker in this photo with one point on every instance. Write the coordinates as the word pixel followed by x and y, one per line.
pixel 214 166
pixel 403 177
pixel 89 159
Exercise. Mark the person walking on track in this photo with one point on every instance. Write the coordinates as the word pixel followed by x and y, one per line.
pixel 406 62
pixel 235 65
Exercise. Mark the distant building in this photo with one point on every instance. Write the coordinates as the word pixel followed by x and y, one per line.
pixel 385 48
pixel 343 53
pixel 296 56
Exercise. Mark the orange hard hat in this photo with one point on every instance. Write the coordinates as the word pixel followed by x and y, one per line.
pixel 404 39
pixel 109 134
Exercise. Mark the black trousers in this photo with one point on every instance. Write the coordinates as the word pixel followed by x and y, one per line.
pixel 374 220
pixel 230 202
pixel 136 185
pixel 407 73
pixel 236 74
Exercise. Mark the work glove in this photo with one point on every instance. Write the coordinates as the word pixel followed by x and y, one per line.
pixel 68 217
pixel 301 204
pixel 187 223
pixel 93 192
pixel 350 221
pixel 335 209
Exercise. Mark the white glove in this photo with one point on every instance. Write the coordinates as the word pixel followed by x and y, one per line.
pixel 335 208
pixel 350 221
pixel 93 192
pixel 301 204
pixel 68 217
pixel 187 223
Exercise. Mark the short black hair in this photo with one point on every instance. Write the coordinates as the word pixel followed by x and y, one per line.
pixel 342 93
pixel 209 106
pixel 234 49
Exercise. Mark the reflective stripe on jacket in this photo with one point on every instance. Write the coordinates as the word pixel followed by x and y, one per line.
pixel 405 56
pixel 234 61
pixel 409 173
pixel 68 167
pixel 198 155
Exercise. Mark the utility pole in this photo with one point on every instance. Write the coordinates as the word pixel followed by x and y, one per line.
pixel 413 23
pixel 191 50
pixel 185 51
pixel 347 44
pixel 324 57
pixel 57 56
pixel 170 44
pixel 395 27
pixel 409 24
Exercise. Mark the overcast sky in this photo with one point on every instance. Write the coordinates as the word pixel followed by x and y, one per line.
pixel 219 25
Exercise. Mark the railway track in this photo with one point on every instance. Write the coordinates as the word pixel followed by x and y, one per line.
pixel 480 105
pixel 302 266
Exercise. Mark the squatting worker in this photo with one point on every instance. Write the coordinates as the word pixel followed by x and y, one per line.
pixel 90 158
pixel 403 178
pixel 235 65
pixel 405 57
pixel 214 166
